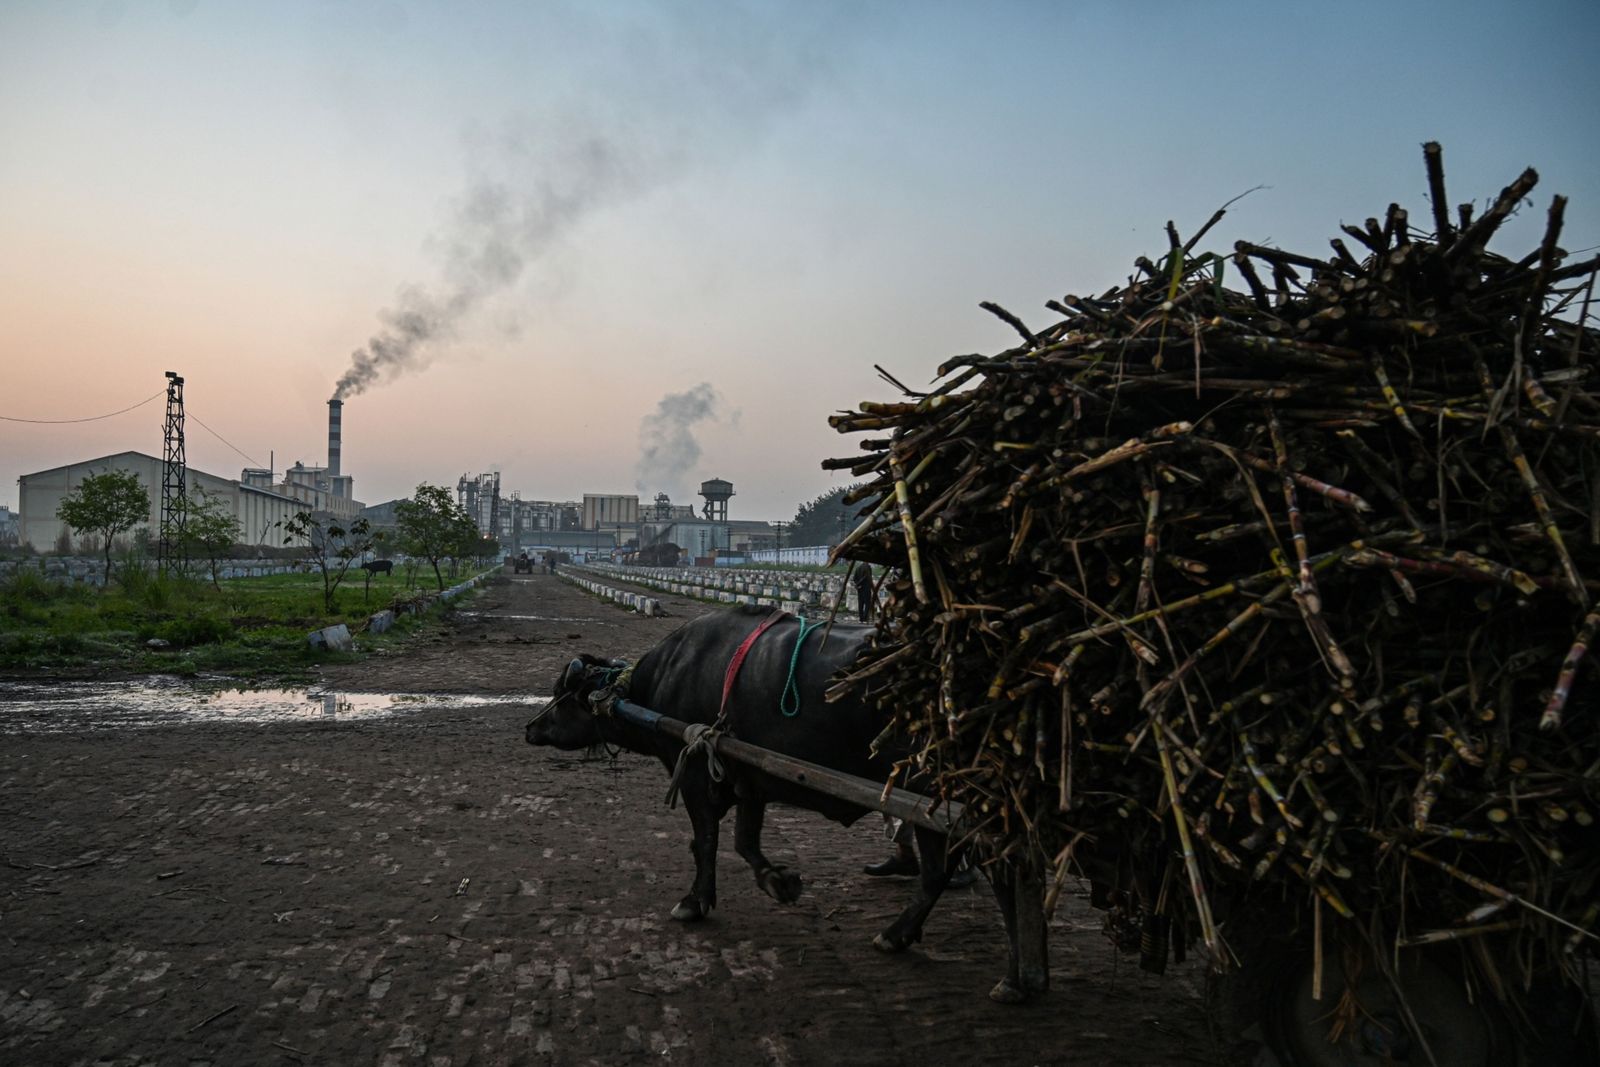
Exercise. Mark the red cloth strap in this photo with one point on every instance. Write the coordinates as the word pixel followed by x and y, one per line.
pixel 738 660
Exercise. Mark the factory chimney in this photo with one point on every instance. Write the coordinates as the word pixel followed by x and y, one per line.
pixel 335 415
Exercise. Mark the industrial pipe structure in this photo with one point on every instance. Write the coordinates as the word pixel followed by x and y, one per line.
pixel 335 436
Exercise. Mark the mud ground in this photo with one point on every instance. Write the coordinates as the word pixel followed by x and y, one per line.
pixel 429 890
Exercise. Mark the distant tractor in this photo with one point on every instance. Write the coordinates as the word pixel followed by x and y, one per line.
pixel 522 565
pixel 661 554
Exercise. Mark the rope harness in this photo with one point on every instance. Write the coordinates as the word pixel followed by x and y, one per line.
pixel 703 738
pixel 734 664
pixel 699 737
pixel 790 686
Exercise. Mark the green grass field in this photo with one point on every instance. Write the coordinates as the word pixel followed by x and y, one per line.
pixel 252 627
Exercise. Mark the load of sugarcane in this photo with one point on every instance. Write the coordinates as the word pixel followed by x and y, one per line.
pixel 1278 587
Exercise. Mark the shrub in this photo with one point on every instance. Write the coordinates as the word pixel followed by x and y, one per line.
pixel 28 584
pixel 193 630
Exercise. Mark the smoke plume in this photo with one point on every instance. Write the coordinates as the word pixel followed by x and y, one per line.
pixel 713 78
pixel 499 227
pixel 667 448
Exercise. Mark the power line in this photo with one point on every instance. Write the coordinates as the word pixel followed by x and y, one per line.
pixel 92 418
pixel 224 440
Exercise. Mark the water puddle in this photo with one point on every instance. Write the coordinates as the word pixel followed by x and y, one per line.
pixel 533 618
pixel 52 707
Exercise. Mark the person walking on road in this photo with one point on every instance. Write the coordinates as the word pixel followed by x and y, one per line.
pixel 862 579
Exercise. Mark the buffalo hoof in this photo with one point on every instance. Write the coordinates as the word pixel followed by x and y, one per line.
pixel 689 910
pixel 885 943
pixel 781 884
pixel 1006 991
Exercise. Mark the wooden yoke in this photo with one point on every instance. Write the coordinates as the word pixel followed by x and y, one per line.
pixel 910 807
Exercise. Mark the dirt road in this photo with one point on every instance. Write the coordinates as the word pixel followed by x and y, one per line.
pixel 430 890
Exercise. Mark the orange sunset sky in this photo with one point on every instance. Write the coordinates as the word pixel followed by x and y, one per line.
pixel 597 206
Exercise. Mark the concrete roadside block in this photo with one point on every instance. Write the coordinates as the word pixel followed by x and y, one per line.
pixel 730 587
pixel 380 622
pixel 333 638
pixel 644 605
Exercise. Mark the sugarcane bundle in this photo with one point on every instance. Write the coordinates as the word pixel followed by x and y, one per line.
pixel 1286 584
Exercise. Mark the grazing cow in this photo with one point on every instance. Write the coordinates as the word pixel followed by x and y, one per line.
pixel 378 566
pixel 683 677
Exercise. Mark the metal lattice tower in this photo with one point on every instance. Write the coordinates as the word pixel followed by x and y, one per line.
pixel 174 478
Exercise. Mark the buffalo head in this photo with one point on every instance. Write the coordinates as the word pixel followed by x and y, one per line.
pixel 570 721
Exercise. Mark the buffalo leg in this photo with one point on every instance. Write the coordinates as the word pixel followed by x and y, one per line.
pixel 1033 941
pixel 1009 989
pixel 704 818
pixel 1020 895
pixel 779 883
pixel 934 874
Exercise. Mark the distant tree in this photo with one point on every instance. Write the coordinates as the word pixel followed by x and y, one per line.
pixel 331 547
pixel 432 526
pixel 210 530
pixel 823 521
pixel 468 543
pixel 105 505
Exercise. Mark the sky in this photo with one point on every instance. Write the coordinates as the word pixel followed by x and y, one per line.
pixel 627 247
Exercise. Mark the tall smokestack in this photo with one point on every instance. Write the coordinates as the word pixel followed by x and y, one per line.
pixel 335 416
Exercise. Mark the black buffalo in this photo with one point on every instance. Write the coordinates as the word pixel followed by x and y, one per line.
pixel 683 676
pixel 378 566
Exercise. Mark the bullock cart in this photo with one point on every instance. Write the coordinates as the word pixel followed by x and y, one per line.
pixel 1030 940
pixel 1271 578
pixel 793 747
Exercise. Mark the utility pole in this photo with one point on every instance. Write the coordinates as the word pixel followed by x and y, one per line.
pixel 174 480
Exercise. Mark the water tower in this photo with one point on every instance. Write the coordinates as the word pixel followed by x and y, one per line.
pixel 716 492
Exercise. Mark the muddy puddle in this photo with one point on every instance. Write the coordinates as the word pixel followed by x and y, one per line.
pixel 42 707
pixel 587 621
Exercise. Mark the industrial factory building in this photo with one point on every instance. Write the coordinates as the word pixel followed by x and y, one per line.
pixel 259 508
pixel 256 499
pixel 602 510
pixel 605 522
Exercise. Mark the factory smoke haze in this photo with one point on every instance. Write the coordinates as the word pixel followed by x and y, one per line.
pixel 500 226
pixel 544 172
pixel 667 446
pixel 509 230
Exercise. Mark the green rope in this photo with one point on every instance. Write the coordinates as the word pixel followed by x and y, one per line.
pixel 613 686
pixel 794 661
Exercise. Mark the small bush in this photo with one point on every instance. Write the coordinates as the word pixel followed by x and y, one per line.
pixel 143 586
pixel 17 645
pixel 193 630
pixel 68 644
pixel 27 584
